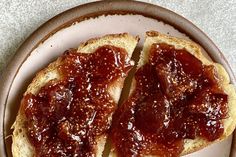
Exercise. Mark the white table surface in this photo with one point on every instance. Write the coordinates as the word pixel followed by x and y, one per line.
pixel 19 18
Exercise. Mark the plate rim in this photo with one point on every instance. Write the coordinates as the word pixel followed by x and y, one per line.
pixel 92 10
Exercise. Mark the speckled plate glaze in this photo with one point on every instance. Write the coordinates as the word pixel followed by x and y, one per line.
pixel 69 28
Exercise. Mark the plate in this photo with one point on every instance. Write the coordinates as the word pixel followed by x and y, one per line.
pixel 71 27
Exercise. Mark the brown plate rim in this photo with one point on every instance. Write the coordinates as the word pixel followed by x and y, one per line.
pixel 91 10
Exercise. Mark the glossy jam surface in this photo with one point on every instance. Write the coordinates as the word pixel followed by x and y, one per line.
pixel 176 98
pixel 67 115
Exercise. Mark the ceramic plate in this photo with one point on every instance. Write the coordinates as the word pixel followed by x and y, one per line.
pixel 70 28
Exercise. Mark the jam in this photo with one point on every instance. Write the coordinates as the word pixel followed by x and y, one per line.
pixel 67 115
pixel 176 97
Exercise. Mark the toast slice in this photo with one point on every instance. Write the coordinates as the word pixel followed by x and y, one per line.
pixel 21 147
pixel 229 123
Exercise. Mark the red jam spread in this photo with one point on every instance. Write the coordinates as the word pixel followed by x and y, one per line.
pixel 67 115
pixel 176 98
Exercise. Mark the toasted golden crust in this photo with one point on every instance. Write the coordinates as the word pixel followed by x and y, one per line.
pixel 21 146
pixel 229 123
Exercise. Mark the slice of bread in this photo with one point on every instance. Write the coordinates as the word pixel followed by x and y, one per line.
pixel 21 147
pixel 229 123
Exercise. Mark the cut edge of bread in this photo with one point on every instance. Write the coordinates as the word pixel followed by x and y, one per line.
pixel 191 146
pixel 21 147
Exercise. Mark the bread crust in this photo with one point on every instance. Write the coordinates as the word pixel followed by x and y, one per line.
pixel 191 146
pixel 21 146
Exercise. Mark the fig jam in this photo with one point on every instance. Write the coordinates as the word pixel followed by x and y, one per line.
pixel 67 115
pixel 176 97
